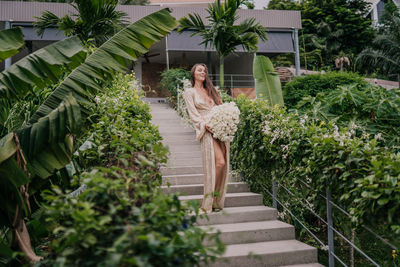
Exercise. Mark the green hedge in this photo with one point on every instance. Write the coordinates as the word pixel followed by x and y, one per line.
pixel 363 177
pixel 311 85
pixel 122 218
pixel 170 79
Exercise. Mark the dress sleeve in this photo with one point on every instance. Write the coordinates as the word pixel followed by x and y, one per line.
pixel 194 115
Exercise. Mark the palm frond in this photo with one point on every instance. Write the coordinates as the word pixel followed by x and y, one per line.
pixel 111 57
pixel 41 68
pixel 47 20
pixel 11 42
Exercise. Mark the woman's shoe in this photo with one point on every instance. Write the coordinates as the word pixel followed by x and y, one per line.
pixel 217 209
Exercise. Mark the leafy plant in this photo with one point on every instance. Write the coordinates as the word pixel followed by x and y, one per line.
pixel 172 78
pixel 384 52
pixel 368 110
pixel 94 19
pixel 222 33
pixel 47 138
pixel 267 83
pixel 11 42
pixel 311 85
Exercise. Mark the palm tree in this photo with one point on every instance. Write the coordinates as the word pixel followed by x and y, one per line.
pixel 222 32
pixel 385 51
pixel 94 19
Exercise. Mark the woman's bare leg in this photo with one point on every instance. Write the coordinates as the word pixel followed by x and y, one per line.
pixel 220 165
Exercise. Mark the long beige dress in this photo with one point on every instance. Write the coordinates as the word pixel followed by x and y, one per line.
pixel 198 109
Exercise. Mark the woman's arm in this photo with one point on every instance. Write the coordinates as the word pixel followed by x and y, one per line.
pixel 197 119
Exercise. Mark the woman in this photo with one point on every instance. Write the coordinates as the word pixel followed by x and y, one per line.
pixel 199 101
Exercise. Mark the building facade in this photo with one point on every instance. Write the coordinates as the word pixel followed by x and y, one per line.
pixel 176 50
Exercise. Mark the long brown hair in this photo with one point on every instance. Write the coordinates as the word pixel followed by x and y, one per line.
pixel 207 84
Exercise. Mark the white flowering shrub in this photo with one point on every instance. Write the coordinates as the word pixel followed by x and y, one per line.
pixel 223 120
pixel 309 156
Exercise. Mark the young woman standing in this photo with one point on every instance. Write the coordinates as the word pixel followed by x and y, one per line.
pixel 200 99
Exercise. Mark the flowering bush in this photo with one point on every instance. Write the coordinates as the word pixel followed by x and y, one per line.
pixel 223 120
pixel 306 156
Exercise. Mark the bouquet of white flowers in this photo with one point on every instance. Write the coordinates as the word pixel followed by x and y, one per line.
pixel 223 120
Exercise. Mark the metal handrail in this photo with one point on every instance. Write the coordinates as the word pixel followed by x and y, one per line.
pixel 328 222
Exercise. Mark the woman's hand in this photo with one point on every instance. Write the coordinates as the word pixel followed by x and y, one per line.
pixel 209 129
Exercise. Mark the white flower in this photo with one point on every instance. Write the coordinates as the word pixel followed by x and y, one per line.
pixel 223 120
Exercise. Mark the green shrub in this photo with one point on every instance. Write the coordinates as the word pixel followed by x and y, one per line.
pixel 369 110
pixel 122 218
pixel 300 154
pixel 311 85
pixel 170 79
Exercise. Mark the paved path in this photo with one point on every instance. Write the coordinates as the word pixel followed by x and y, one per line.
pixel 246 225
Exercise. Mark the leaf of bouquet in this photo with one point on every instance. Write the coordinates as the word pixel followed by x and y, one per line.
pixel 41 68
pixel 267 83
pixel 111 57
pixel 47 143
pixel 11 42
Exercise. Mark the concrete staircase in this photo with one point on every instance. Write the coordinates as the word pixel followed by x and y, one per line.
pixel 247 227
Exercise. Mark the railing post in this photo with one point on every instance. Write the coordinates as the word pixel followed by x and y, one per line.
pixel 231 82
pixel 274 195
pixel 330 226
pixel 177 98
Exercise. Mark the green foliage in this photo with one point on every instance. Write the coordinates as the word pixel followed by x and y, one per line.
pixel 40 69
pixel 222 32
pixel 306 156
pixel 93 19
pixel 284 5
pixel 11 42
pixel 311 85
pixel 122 217
pixel 368 110
pixel 170 79
pixel 331 27
pixel 384 52
pixel 267 83
pixel 45 143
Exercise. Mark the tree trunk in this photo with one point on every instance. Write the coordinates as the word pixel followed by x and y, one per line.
pixel 221 72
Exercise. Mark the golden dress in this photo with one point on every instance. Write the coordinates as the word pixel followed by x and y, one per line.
pixel 198 109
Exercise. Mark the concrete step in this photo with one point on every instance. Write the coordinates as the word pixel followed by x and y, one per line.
pixel 271 253
pixel 184 179
pixel 239 215
pixel 181 142
pixel 232 199
pixel 198 189
pixel 159 116
pixel 184 162
pixel 179 138
pixel 185 155
pixel 185 148
pixel 304 265
pixel 190 179
pixel 182 170
pixel 251 232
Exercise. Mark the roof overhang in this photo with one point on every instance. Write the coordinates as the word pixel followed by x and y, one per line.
pixel 27 11
pixel 278 42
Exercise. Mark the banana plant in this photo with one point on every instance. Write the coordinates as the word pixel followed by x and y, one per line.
pixel 45 143
pixel 267 82
pixel 11 42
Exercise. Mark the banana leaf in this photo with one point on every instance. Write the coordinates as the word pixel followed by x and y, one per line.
pixel 267 82
pixel 41 68
pixel 11 42
pixel 113 56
